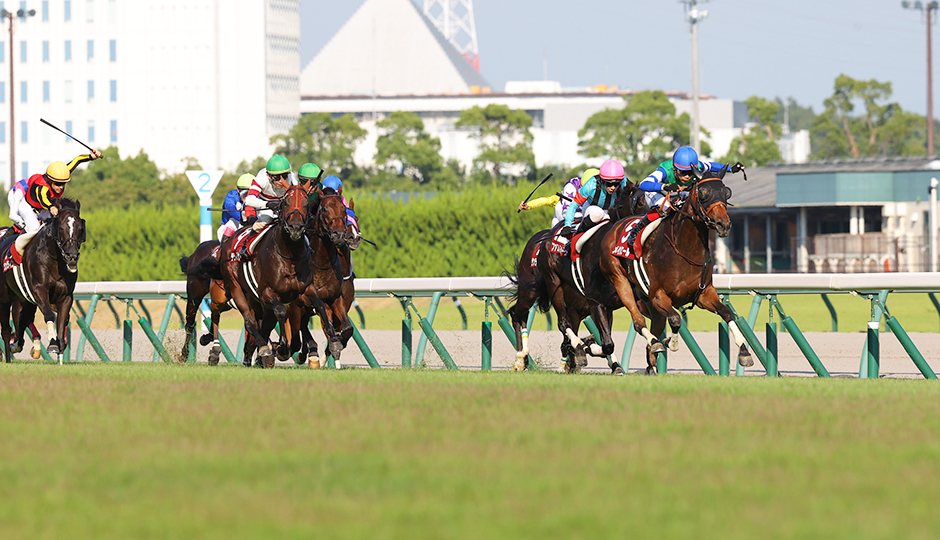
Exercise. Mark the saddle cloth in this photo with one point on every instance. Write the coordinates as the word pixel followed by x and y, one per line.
pixel 636 250
pixel 11 257
pixel 535 256
pixel 241 237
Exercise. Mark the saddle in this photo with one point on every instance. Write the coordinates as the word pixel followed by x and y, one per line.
pixel 636 250
pixel 240 238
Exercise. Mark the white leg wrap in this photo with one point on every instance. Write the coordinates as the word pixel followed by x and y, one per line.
pixel 525 344
pixel 575 340
pixel 738 336
pixel 596 349
pixel 648 335
pixel 673 341
pixel 50 330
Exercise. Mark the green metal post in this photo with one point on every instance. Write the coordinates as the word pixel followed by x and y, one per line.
pixel 241 343
pixel 771 349
pixel 435 341
pixel 874 351
pixel 167 313
pixel 423 340
pixel 876 314
pixel 724 349
pixel 364 347
pixel 128 332
pixel 661 358
pixel 696 350
pixel 531 319
pixel 154 340
pixel 752 340
pixel 548 321
pixel 790 325
pixel 592 327
pixel 936 304
pixel 755 310
pixel 362 317
pixel 226 352
pixel 909 346
pixel 406 343
pixel 117 318
pixel 487 335
pixel 463 314
pixel 627 349
pixel 80 349
pixel 832 312
pixel 86 331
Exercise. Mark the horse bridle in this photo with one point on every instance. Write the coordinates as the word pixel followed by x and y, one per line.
pixel 697 205
pixel 324 224
pixel 54 233
pixel 284 220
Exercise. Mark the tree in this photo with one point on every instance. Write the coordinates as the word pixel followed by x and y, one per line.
pixel 319 138
pixel 757 144
pixel 504 137
pixel 642 134
pixel 797 116
pixel 403 145
pixel 116 182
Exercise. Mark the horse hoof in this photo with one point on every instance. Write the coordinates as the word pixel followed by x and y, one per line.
pixel 745 361
pixel 651 371
pixel 657 348
pixel 214 353
pixel 519 365
pixel 53 350
pixel 674 343
pixel 313 362
pixel 337 364
pixel 16 348
pixel 616 369
pixel 36 352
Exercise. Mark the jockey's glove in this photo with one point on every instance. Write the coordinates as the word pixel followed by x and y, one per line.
pixel 670 187
pixel 564 231
pixel 737 167
pixel 273 205
pixel 257 226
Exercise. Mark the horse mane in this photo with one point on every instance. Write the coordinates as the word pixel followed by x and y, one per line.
pixel 65 202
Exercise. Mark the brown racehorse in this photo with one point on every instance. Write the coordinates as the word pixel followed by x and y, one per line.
pixel 45 279
pixel 551 282
pixel 278 273
pixel 677 260
pixel 331 239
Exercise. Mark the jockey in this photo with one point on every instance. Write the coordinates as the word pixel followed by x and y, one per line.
pixel 336 185
pixel 233 207
pixel 43 189
pixel 563 200
pixel 684 169
pixel 13 198
pixel 308 177
pixel 596 197
pixel 267 190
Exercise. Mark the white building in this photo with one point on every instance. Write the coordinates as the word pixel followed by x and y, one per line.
pixel 209 79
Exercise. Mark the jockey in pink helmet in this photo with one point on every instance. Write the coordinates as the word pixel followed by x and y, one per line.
pixel 596 197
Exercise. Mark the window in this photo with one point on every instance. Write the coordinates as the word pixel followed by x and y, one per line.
pixel 91 91
pixel 45 10
pixel 68 91
pixel 24 133
pixel 22 52
pixel 3 92
pixel 45 51
pixel 113 47
pixel 24 168
pixel 68 10
pixel 45 91
pixel 22 91
pixel 68 50
pixel 3 132
pixel 114 131
pixel 91 131
pixel 3 54
pixel 113 91
pixel 90 11
pixel 68 128
pixel 91 50
pixel 112 11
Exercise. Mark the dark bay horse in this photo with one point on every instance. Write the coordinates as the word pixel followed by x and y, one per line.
pixel 45 279
pixel 675 267
pixel 331 240
pixel 548 279
pixel 278 273
pixel 198 285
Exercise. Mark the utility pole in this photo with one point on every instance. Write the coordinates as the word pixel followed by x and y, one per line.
pixel 927 9
pixel 22 14
pixel 694 16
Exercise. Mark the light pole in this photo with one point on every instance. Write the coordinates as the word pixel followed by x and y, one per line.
pixel 694 17
pixel 926 8
pixel 9 15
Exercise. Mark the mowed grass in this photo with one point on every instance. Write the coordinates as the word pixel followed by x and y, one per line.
pixel 155 451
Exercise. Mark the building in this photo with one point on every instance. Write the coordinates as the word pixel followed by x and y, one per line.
pixel 206 79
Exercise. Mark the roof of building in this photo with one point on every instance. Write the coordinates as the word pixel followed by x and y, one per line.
pixel 389 48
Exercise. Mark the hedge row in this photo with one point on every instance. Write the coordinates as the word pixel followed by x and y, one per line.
pixel 474 233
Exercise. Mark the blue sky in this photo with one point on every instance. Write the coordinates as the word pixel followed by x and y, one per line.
pixel 746 47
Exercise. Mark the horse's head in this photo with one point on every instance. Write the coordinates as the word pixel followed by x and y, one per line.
pixel 709 202
pixel 68 231
pixel 331 217
pixel 293 212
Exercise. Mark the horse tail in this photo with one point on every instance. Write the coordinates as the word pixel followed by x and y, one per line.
pixel 207 268
pixel 184 263
pixel 533 281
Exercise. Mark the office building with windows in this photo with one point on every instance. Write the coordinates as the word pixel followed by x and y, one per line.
pixel 177 79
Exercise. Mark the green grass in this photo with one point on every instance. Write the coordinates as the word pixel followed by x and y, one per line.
pixel 155 451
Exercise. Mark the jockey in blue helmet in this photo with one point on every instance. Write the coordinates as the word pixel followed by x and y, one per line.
pixel 684 169
pixel 334 183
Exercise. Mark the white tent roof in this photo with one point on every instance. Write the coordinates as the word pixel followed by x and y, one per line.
pixel 388 48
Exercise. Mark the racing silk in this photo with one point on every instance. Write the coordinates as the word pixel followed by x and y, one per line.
pixel 666 174
pixel 568 192
pixel 39 194
pixel 20 186
pixel 233 206
pixel 14 198
pixel 263 190
pixel 589 195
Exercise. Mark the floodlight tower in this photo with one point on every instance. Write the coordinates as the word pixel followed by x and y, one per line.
pixel 927 8
pixel 694 17
pixel 454 18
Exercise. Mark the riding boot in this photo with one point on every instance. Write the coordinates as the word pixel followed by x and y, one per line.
pixel 631 238
pixel 242 253
pixel 585 225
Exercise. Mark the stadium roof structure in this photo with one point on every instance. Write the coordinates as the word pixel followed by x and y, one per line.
pixel 388 48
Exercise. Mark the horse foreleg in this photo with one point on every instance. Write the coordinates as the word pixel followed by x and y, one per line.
pixel 5 332
pixel 709 300
pixel 663 304
pixel 602 317
pixel 251 323
pixel 216 350
pixel 624 287
pixel 657 325
pixel 335 347
pixel 196 290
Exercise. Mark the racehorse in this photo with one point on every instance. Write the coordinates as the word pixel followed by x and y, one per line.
pixel 545 278
pixel 331 237
pixel 45 279
pixel 674 268
pixel 278 272
pixel 198 285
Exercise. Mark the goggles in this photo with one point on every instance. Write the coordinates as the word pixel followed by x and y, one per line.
pixel 57 184
pixel 304 180
pixel 280 176
pixel 680 173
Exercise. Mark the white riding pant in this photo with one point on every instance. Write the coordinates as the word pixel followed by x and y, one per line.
pixel 560 209
pixel 26 215
pixel 14 198
pixel 228 228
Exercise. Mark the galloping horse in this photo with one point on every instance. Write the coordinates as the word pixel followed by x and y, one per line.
pixel 547 279
pixel 331 238
pixel 279 272
pixel 45 278
pixel 674 268
pixel 198 285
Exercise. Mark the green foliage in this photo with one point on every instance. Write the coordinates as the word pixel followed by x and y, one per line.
pixel 406 148
pixel 113 182
pixel 319 138
pixel 645 132
pixel 798 116
pixel 757 146
pixel 504 137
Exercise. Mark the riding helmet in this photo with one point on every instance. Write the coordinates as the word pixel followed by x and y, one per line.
pixel 278 164
pixel 308 171
pixel 244 181
pixel 612 172
pixel 333 182
pixel 685 158
pixel 58 172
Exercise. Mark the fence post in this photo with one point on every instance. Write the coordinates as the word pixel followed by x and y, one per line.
pixel 86 331
pixel 832 312
pixel 405 335
pixel 909 346
pixel 873 349
pixel 423 340
pixel 627 349
pixel 364 347
pixel 876 314
pixel 771 339
pixel 486 331
pixel 128 331
pixel 167 313
pixel 695 349
pixel 724 349
pixel 80 349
